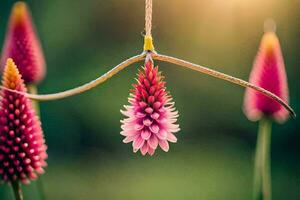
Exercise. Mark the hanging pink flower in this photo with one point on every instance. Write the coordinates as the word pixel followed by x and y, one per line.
pixel 269 73
pixel 22 144
pixel 151 117
pixel 23 46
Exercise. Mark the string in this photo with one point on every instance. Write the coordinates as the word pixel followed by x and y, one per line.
pixel 148 18
pixel 148 41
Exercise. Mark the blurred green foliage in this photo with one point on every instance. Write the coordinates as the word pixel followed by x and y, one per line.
pixel 214 155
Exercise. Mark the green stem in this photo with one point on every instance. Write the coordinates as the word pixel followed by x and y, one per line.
pixel 41 189
pixel 262 175
pixel 257 170
pixel 32 89
pixel 16 186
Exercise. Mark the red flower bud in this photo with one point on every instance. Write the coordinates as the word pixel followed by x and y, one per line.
pixel 23 46
pixel 22 143
pixel 269 73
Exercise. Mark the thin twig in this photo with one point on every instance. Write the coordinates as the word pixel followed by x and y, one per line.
pixel 82 88
pixel 222 76
pixel 169 59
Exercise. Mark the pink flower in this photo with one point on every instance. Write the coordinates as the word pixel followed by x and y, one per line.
pixel 23 46
pixel 151 116
pixel 22 144
pixel 269 73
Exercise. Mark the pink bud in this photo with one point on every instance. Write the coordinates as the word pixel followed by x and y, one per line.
pixel 269 73
pixel 23 46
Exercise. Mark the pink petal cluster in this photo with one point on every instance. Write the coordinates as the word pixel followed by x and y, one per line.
pixel 269 73
pixel 23 46
pixel 22 144
pixel 151 115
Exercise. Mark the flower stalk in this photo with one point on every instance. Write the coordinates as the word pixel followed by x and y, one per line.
pixel 262 174
pixel 268 72
pixel 17 190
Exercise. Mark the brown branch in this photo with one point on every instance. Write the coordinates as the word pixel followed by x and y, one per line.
pixel 155 56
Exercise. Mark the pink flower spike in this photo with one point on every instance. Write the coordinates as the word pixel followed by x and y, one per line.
pixel 22 143
pixel 269 73
pixel 23 46
pixel 151 115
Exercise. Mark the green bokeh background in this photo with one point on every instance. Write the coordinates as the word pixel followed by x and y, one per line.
pixel 213 158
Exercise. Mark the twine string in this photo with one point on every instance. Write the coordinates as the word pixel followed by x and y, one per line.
pixel 148 18
pixel 148 41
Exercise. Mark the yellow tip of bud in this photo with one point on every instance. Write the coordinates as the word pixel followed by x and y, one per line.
pixel 11 75
pixel 11 67
pixel 19 11
pixel 270 41
pixel 10 61
pixel 148 43
pixel 10 64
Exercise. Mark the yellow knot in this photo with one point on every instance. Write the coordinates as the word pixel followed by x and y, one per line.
pixel 148 43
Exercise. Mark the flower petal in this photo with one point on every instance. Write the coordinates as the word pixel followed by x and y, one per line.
pixel 144 149
pixel 145 134
pixel 151 151
pixel 162 134
pixel 154 128
pixel 138 143
pixel 164 145
pixel 171 137
pixel 153 141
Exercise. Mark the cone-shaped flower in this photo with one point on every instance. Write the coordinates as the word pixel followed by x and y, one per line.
pixel 269 73
pixel 22 144
pixel 23 46
pixel 151 116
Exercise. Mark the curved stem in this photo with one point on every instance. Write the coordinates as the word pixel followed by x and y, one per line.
pixel 85 87
pixel 16 186
pixel 32 89
pixel 169 59
pixel 222 76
